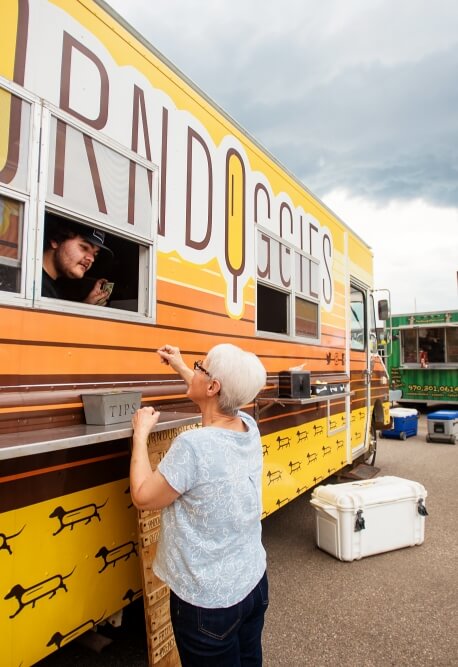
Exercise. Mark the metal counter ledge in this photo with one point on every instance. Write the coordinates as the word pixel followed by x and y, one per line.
pixel 14 445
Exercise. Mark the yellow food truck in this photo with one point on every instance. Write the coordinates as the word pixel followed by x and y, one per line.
pixel 210 240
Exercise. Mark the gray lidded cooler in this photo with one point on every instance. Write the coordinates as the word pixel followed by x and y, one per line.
pixel 443 426
pixel 362 518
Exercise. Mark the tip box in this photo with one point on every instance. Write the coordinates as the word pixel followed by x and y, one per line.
pixel 111 407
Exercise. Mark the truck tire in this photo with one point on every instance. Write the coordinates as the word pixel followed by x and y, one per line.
pixel 372 451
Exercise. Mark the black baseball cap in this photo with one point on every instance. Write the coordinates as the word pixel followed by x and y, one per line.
pixel 59 229
pixel 95 237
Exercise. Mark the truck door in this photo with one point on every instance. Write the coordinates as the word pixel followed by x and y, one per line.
pixel 360 370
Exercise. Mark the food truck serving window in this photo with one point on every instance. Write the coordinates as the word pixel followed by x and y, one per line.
pixel 100 214
pixel 287 289
pixel 81 207
pixel 429 345
pixel 93 267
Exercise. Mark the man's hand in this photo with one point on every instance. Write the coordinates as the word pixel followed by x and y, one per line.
pixel 98 296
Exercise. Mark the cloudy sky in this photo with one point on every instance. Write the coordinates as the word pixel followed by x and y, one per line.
pixel 358 98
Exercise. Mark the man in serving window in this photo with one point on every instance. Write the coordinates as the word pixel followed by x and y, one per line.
pixel 70 250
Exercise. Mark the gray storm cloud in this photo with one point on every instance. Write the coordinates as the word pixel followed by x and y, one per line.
pixel 358 99
pixel 361 97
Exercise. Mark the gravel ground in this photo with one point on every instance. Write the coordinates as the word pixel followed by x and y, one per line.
pixel 393 609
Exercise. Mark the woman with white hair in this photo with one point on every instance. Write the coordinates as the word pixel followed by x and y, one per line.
pixel 208 486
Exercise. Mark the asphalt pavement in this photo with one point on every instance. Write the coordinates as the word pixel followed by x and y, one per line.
pixel 398 608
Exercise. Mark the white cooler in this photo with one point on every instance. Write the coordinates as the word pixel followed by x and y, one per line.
pixel 367 517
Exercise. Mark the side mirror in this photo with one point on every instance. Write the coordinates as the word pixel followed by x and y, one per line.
pixel 383 310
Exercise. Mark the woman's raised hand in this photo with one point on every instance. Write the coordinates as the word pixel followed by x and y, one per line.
pixel 171 355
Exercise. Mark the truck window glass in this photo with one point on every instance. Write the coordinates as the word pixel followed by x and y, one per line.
pixel 306 318
pixel 14 155
pixel 14 187
pixel 98 181
pixel 11 216
pixel 272 310
pixel 452 345
pixel 358 329
pixel 287 288
pixel 409 346
pixel 431 341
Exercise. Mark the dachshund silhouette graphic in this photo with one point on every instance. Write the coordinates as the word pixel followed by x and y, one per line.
pixel 111 556
pixel 312 457
pixel 284 442
pixel 46 588
pixel 4 540
pixel 58 639
pixel 295 466
pixel 326 450
pixel 70 518
pixel 274 476
pixel 302 435
pixel 318 429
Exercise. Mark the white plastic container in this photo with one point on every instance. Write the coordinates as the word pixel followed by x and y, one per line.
pixel 403 412
pixel 367 517
pixel 443 426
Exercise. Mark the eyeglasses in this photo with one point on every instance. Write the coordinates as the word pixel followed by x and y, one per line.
pixel 198 367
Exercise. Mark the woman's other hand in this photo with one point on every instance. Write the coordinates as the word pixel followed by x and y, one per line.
pixel 144 420
pixel 149 489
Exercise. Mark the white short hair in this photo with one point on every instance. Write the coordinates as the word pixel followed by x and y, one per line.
pixel 240 373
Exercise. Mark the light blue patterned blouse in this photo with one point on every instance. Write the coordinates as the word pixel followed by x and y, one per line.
pixel 210 552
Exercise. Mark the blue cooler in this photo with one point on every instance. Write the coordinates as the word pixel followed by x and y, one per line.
pixel 405 424
pixel 443 426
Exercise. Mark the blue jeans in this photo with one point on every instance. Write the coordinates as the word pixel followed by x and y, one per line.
pixel 226 637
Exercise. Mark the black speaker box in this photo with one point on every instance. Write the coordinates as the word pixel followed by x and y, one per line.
pixel 294 384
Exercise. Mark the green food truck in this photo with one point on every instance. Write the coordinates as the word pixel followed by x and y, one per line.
pixel 422 357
